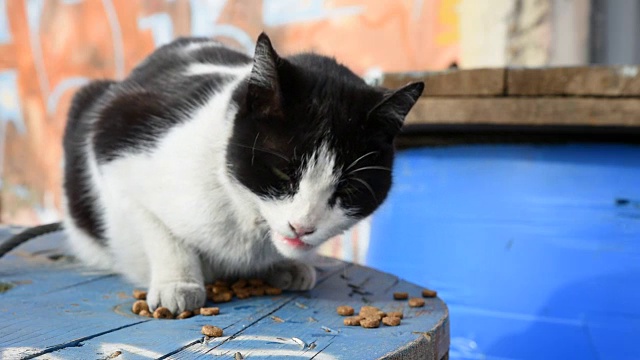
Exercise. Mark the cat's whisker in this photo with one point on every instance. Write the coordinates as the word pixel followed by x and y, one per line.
pixel 358 159
pixel 369 168
pixel 253 148
pixel 366 184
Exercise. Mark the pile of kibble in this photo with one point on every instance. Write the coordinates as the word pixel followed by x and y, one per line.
pixel 217 292
pixel 371 316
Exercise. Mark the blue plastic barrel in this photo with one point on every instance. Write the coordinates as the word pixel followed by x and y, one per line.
pixel 536 249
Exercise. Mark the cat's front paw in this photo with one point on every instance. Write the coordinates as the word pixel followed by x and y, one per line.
pixel 176 296
pixel 293 275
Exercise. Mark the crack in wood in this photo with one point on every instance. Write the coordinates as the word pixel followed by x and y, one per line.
pixel 78 342
pixel 102 277
pixel 236 334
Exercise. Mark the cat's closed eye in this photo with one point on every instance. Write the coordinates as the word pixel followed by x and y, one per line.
pixel 280 174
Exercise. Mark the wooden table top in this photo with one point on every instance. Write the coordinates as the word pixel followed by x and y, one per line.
pixel 54 308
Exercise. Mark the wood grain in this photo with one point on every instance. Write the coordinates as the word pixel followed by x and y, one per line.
pixel 527 111
pixel 575 81
pixel 474 82
pixel 60 309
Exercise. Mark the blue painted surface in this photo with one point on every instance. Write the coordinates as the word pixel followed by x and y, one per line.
pixel 58 309
pixel 536 249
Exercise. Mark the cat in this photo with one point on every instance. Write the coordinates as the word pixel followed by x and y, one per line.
pixel 206 163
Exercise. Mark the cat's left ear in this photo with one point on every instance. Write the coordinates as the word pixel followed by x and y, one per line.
pixel 391 111
pixel 264 83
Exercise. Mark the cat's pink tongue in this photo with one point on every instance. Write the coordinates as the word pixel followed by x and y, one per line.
pixel 295 242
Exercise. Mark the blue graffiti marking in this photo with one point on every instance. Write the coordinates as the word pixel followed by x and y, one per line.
pixel 60 89
pixel 161 26
pixel 5 32
pixel 34 13
pixel 10 110
pixel 116 32
pixel 205 14
pixel 282 12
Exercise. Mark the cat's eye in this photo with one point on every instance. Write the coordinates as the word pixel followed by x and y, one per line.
pixel 280 174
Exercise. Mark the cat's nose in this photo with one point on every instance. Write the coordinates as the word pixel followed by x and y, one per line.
pixel 301 230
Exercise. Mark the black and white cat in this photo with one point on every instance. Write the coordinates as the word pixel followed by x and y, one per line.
pixel 205 163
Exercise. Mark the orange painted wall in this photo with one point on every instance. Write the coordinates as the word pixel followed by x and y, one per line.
pixel 48 48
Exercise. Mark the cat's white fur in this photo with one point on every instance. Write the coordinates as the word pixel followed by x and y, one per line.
pixel 175 219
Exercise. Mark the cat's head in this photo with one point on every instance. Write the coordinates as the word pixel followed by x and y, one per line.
pixel 313 143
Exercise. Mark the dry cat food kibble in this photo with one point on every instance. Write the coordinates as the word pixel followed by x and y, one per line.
pixel 224 297
pixel 270 290
pixel 139 306
pixel 211 331
pixel 218 292
pixel 162 313
pixel 370 317
pixel 397 314
pixel 370 322
pixel 221 283
pixel 185 315
pixel 352 321
pixel 416 302
pixel 215 290
pixel 239 284
pixel 145 313
pixel 208 311
pixel 429 293
pixel 391 321
pixel 345 310
pixel 400 295
pixel 243 293
pixel 257 291
pixel 139 294
pixel 371 312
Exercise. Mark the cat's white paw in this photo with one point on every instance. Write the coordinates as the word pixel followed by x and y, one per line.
pixel 293 275
pixel 176 296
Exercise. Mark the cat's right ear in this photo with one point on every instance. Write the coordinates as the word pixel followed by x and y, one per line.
pixel 264 85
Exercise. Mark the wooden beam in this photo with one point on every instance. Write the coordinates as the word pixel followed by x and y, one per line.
pixel 476 82
pixel 575 81
pixel 527 111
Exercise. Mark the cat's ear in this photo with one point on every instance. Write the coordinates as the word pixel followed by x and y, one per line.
pixel 264 83
pixel 388 115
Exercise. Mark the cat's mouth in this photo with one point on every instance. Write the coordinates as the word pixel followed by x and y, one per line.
pixel 295 243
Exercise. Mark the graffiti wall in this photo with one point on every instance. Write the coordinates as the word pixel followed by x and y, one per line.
pixel 49 48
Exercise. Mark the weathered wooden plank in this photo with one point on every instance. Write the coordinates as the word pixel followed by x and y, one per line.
pixel 89 317
pixel 473 82
pixel 526 111
pixel 312 318
pixel 162 338
pixel 575 81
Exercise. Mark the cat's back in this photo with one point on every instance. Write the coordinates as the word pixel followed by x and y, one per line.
pixel 185 62
pixel 163 91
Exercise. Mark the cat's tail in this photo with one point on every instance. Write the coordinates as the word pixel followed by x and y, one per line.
pixel 26 235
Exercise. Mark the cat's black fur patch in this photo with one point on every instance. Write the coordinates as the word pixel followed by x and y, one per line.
pixel 158 95
pixel 77 185
pixel 136 119
pixel 318 100
pixel 285 112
